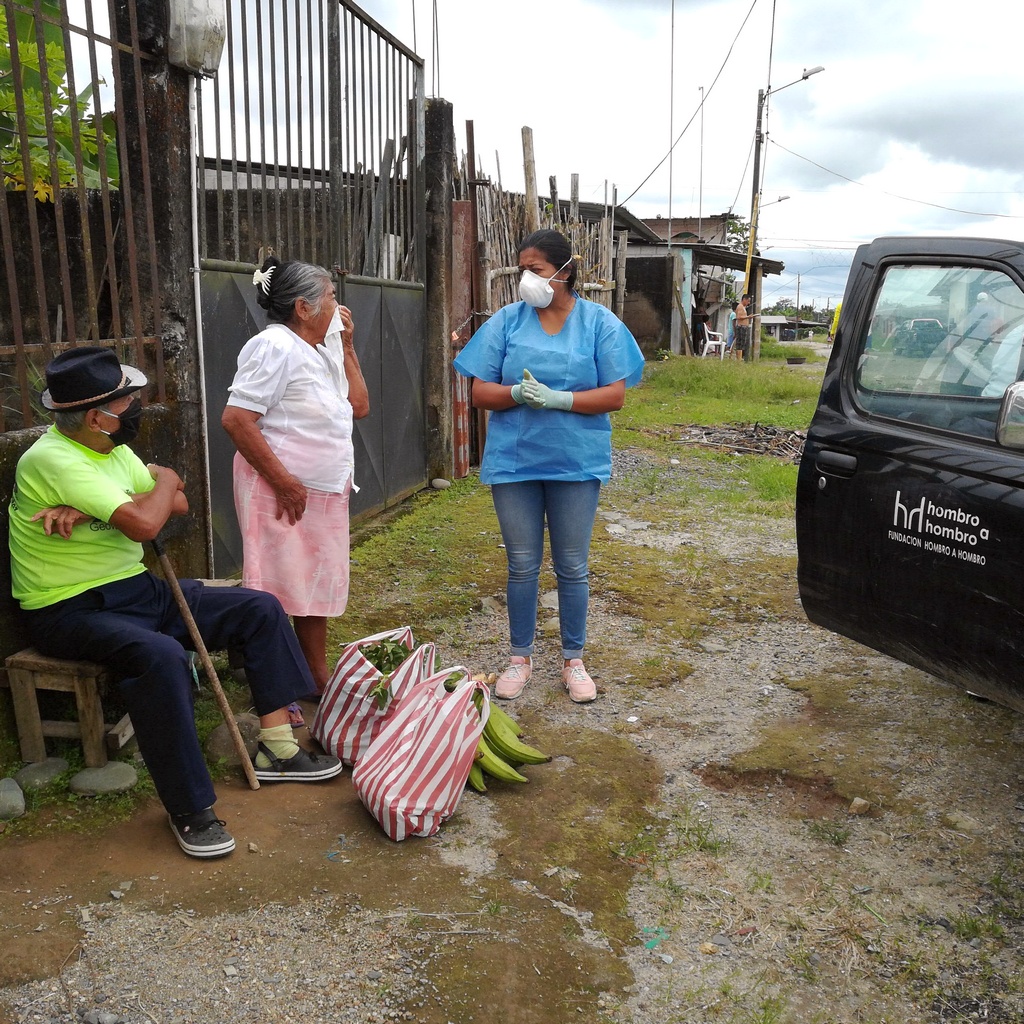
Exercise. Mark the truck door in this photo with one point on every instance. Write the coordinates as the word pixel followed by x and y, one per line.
pixel 910 512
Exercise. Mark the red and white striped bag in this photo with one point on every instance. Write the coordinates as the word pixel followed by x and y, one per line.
pixel 348 717
pixel 413 775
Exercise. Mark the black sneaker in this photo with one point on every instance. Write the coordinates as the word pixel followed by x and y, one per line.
pixel 201 834
pixel 303 767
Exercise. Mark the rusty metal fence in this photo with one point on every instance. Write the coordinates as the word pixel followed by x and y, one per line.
pixel 310 142
pixel 77 232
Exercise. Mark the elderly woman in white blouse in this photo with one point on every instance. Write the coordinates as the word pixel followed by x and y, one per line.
pixel 297 389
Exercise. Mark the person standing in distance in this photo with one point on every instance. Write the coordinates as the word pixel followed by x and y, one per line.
pixel 550 368
pixel 743 329
pixel 730 337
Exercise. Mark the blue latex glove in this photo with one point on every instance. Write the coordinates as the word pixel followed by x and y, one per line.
pixel 540 396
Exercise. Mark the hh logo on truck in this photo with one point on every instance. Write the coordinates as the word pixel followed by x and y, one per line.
pixel 938 524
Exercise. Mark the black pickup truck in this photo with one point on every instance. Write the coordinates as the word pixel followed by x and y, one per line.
pixel 910 495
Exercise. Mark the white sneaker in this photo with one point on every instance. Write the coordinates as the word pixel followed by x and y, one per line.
pixel 513 680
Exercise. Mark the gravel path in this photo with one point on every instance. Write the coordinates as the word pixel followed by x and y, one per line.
pixel 744 912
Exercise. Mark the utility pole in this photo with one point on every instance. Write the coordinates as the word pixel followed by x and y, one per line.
pixel 755 191
pixel 755 195
pixel 700 177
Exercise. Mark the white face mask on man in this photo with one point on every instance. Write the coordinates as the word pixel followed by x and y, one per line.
pixel 535 290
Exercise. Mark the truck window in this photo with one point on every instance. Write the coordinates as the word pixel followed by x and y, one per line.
pixel 941 346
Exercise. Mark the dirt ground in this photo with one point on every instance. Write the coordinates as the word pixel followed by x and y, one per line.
pixel 692 854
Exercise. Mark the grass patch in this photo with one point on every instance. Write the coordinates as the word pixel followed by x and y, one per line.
pixel 695 832
pixel 427 566
pixel 762 486
pixel 858 726
pixel 756 485
pixel 773 350
pixel 681 389
pixel 832 832
pixel 974 926
pixel 690 830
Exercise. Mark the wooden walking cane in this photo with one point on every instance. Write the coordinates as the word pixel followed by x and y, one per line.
pixel 211 672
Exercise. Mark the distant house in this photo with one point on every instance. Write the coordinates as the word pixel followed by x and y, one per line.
pixel 667 282
pixel 699 267
pixel 785 328
pixel 713 230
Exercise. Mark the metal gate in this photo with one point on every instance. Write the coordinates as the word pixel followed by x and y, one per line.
pixel 388 443
pixel 310 141
pixel 78 239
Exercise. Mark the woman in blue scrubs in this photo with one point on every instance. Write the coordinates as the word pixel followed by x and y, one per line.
pixel 550 368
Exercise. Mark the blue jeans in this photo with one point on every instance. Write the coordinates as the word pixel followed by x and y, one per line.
pixel 134 627
pixel 569 508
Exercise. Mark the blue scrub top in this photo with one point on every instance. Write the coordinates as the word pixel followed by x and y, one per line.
pixel 592 349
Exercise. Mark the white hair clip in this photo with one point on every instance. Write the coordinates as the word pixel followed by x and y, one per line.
pixel 262 279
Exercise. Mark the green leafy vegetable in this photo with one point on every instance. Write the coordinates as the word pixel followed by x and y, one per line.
pixel 386 655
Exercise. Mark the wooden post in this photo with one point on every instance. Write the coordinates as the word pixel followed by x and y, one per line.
pixel 477 284
pixel 555 212
pixel 610 240
pixel 605 271
pixel 620 274
pixel 530 175
pixel 438 164
pixel 574 200
pixel 755 320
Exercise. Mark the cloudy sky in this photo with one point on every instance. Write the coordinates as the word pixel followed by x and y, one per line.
pixel 914 127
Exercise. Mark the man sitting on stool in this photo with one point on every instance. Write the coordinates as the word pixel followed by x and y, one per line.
pixel 83 502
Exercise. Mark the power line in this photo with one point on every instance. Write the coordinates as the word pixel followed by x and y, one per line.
pixel 813 243
pixel 704 99
pixel 894 195
pixel 750 153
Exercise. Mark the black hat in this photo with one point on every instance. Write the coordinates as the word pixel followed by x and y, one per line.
pixel 88 376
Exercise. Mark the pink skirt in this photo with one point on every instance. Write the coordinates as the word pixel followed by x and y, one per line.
pixel 304 564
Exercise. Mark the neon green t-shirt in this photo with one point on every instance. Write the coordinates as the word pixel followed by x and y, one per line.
pixel 59 471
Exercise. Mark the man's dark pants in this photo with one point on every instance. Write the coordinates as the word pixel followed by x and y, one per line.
pixel 134 627
pixel 742 332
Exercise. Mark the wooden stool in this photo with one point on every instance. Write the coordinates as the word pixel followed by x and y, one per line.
pixel 29 671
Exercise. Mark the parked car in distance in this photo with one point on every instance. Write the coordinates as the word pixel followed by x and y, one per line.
pixel 910 492
pixel 918 336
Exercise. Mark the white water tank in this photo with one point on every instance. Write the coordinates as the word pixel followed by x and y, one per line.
pixel 195 34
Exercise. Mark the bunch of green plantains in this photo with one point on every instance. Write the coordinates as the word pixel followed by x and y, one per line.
pixel 501 752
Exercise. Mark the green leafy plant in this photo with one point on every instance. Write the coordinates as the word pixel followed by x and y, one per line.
pixel 41 77
pixel 386 655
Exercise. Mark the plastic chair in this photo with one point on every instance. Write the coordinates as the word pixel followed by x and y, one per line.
pixel 715 343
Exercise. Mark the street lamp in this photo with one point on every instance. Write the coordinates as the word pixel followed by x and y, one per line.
pixel 762 96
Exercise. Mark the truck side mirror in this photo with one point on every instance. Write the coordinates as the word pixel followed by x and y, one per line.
pixel 1010 423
